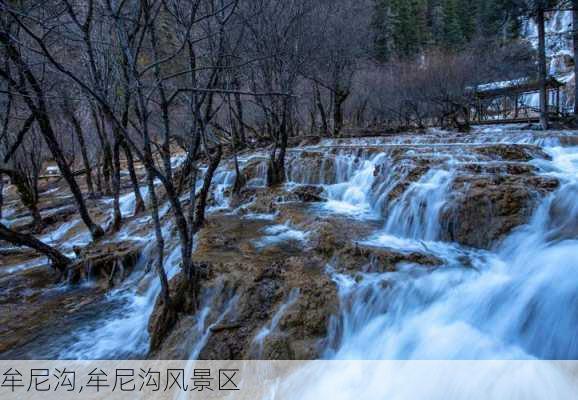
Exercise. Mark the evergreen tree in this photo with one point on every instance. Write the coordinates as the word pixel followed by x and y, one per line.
pixel 405 28
pixel 453 37
pixel 466 13
pixel 381 32
pixel 405 31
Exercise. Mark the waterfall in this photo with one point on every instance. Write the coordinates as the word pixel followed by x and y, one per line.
pixel 517 302
pixel 416 214
pixel 122 332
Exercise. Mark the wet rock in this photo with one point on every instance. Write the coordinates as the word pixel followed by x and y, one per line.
pixel 255 304
pixel 278 347
pixel 255 169
pixel 161 323
pixel 306 322
pixel 310 141
pixel 484 209
pixel 256 293
pixel 563 215
pixel 500 168
pixel 311 168
pixel 245 196
pixel 324 237
pixel 165 317
pixel 569 140
pixel 509 152
pixel 373 259
pixel 267 200
pixel 414 174
pixel 309 194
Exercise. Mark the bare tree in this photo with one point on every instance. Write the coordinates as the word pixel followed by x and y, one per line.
pixel 23 164
pixel 277 36
pixel 341 48
pixel 29 87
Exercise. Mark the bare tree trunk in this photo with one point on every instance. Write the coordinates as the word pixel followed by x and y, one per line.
pixel 98 178
pixel 95 230
pixel 201 203
pixel 540 20
pixel 192 272
pixel 240 180
pixel 324 124
pixel 83 151
pixel 1 193
pixel 276 170
pixel 154 208
pixel 59 260
pixel 139 202
pixel 338 100
pixel 117 218
pixel 107 169
pixel 36 102
pixel 28 195
pixel 240 113
pixel 106 153
pixel 575 38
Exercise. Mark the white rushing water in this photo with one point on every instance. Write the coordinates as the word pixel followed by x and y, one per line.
pixel 517 301
pixel 278 234
pixel 511 303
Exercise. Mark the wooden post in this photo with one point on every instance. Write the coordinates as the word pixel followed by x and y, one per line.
pixel 558 100
pixel 575 39
pixel 479 107
pixel 540 20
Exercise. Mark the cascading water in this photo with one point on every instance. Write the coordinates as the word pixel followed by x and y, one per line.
pixel 515 303
pixel 416 214
pixel 352 192
pixel 123 332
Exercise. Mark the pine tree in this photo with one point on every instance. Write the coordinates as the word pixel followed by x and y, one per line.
pixel 410 32
pixel 404 35
pixel 453 36
pixel 381 31
pixel 405 28
pixel 466 13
